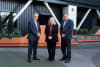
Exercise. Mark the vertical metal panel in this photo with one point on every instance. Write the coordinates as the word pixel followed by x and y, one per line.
pixel 0 5
pixel 22 22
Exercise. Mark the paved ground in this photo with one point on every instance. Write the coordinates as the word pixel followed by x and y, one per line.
pixel 82 56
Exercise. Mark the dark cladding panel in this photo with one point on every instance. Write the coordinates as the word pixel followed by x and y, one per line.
pixel 89 2
pixel 85 3
pixel 55 1
pixel 15 6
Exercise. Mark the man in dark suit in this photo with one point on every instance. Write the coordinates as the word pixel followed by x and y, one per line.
pixel 34 35
pixel 66 35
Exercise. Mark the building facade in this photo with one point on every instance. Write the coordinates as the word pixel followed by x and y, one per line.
pixel 58 7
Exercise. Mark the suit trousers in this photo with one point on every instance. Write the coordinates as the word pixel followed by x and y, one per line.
pixel 32 48
pixel 66 45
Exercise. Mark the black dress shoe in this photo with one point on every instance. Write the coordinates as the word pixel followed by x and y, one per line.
pixel 51 60
pixel 36 59
pixel 67 61
pixel 62 59
pixel 29 61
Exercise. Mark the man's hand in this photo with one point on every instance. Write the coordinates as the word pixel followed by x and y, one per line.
pixel 38 34
pixel 50 37
pixel 63 35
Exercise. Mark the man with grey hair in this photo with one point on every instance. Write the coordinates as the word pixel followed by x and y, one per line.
pixel 66 35
pixel 33 37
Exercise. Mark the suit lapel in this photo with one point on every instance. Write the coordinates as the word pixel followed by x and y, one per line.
pixel 67 23
pixel 66 26
pixel 38 25
pixel 34 26
pixel 52 28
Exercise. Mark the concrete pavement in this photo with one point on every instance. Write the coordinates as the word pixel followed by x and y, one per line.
pixel 82 56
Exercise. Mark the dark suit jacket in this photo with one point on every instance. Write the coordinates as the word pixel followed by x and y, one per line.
pixel 67 30
pixel 54 33
pixel 33 31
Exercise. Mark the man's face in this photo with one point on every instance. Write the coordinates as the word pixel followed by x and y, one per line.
pixel 35 17
pixel 65 16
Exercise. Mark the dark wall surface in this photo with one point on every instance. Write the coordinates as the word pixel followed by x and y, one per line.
pixel 22 22
pixel 95 4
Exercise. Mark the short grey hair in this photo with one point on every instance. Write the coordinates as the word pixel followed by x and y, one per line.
pixel 35 14
pixel 65 14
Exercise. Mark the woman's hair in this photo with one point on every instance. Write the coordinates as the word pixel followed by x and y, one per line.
pixel 51 18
